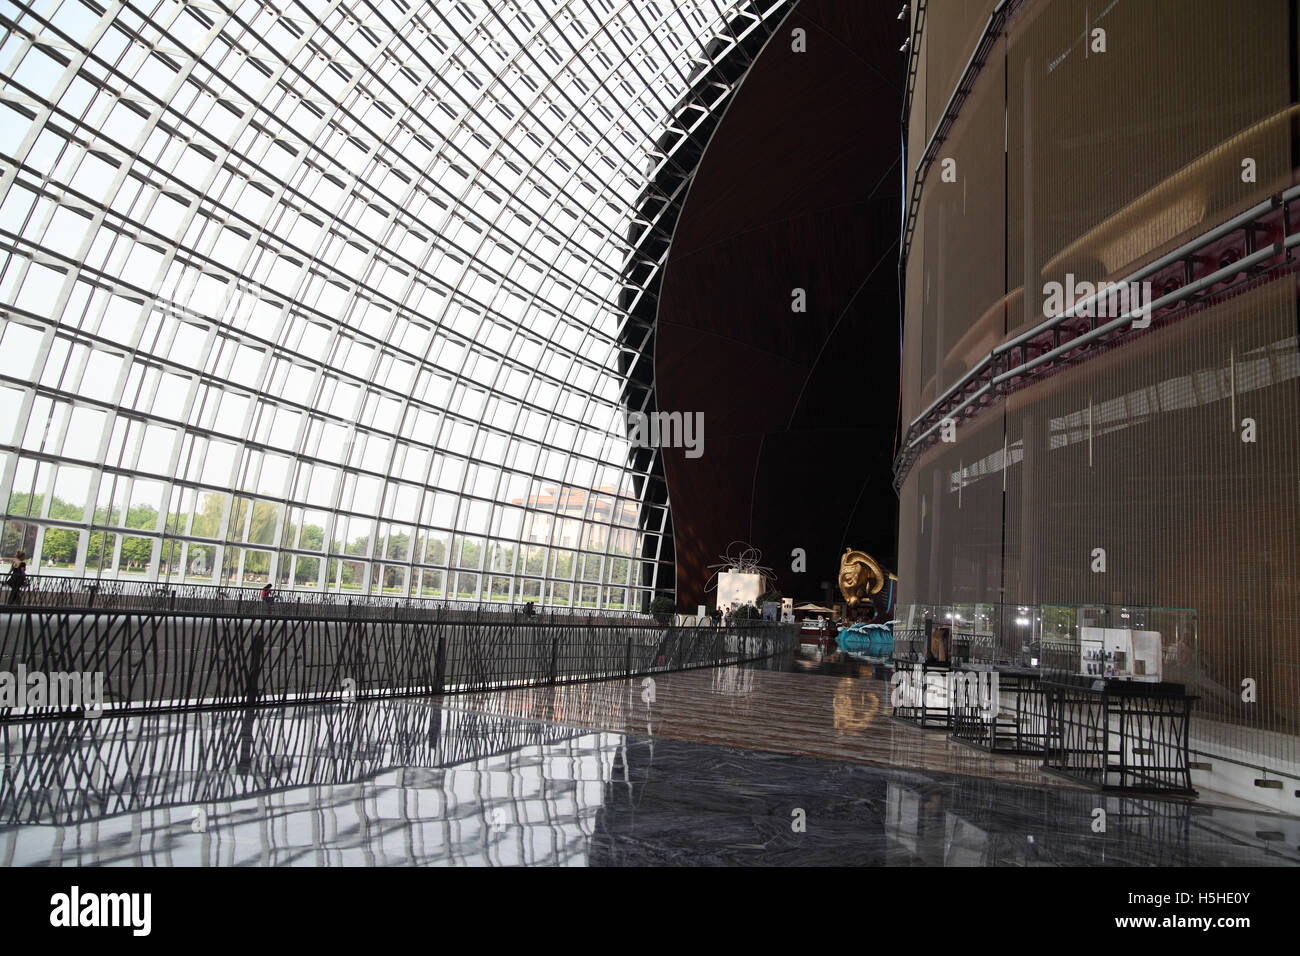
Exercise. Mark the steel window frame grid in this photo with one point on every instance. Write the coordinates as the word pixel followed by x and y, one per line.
pixel 273 351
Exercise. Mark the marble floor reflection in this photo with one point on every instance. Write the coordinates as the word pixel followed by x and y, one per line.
pixel 420 782
pixel 842 718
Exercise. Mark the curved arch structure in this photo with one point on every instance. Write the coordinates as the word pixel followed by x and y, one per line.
pixel 342 295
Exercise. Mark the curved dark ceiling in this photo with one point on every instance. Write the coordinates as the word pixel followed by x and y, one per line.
pixel 799 188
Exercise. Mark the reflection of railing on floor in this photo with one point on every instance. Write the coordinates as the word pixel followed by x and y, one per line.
pixel 163 660
pixel 532 803
pixel 70 771
pixel 981 822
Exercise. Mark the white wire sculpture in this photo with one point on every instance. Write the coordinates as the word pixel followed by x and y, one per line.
pixel 742 558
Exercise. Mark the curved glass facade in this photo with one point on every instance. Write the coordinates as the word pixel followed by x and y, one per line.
pixel 336 295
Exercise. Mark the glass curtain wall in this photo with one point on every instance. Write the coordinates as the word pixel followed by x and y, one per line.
pixel 333 295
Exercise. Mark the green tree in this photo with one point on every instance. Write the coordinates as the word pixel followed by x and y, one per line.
pixel 136 552
pixel 399 546
pixel 142 517
pixel 25 504
pixel 60 546
pixel 470 554
pixel 264 523
pixel 207 519
pixel 256 564
pixel 62 509
pixel 312 538
pixel 99 550
pixel 435 550
pixel 306 570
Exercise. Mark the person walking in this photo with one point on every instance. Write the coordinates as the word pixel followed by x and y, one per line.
pixel 17 579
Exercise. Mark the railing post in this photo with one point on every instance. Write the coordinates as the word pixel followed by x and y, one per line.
pixel 440 661
pixel 627 660
pixel 555 658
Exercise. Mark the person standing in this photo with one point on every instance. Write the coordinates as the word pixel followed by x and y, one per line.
pixel 17 579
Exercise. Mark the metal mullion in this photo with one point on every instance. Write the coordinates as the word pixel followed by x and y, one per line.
pixel 174 242
pixel 528 111
pixel 381 142
pixel 117 283
pixel 504 141
pixel 365 68
pixel 594 264
pixel 686 82
pixel 577 54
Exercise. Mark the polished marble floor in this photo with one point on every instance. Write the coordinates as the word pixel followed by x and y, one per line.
pixel 714 766
pixel 842 717
pixel 731 766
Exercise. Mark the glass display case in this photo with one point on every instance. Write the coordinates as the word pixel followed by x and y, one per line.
pixel 1103 641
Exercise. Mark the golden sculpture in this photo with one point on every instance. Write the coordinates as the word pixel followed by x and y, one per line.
pixel 860 576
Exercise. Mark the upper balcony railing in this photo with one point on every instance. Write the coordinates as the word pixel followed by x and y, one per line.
pixel 60 592
pixel 1220 261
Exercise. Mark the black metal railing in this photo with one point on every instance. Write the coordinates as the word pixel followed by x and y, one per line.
pixel 53 591
pixel 133 660
pixel 1253 247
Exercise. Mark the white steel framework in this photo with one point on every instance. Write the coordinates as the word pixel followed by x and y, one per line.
pixel 328 293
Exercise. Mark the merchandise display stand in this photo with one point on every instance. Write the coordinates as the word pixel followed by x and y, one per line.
pixel 1119 735
pixel 1019 727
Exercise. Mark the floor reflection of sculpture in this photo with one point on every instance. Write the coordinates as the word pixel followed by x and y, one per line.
pixel 854 707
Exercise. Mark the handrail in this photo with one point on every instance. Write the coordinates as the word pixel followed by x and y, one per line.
pixel 65 592
pixel 956 100
pixel 1010 361
pixel 124 660
pixel 913 54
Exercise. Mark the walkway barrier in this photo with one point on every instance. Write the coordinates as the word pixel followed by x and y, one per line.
pixel 66 592
pixel 146 660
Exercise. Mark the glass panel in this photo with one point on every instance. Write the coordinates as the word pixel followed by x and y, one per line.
pixel 135 556
pixel 199 562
